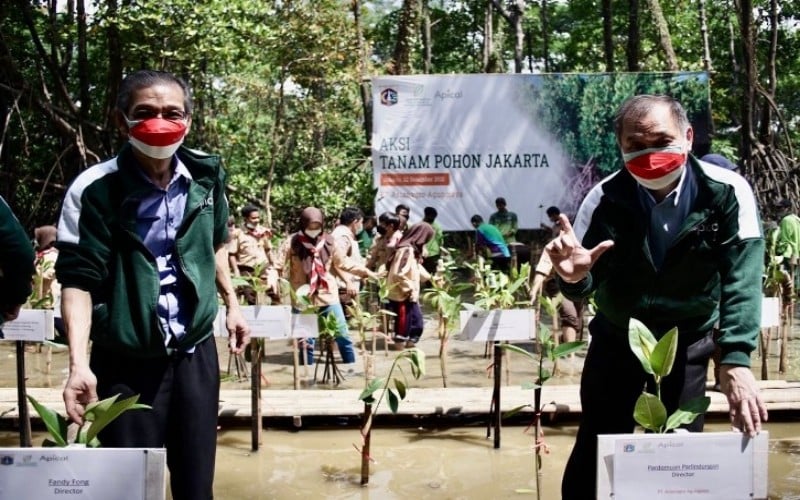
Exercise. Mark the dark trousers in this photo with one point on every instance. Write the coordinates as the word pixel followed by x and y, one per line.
pixel 430 263
pixel 611 382
pixel 408 322
pixel 500 263
pixel 183 390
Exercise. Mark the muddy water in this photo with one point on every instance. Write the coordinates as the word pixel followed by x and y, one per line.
pixel 457 463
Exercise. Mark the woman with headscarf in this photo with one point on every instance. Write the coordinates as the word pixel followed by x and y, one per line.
pixel 405 273
pixel 311 257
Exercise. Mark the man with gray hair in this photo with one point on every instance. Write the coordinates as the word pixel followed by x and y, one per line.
pixel 672 242
pixel 139 237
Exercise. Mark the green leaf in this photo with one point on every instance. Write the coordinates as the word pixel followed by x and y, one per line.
pixel 370 389
pixel 98 407
pixel 416 358
pixel 568 348
pixel 530 385
pixel 56 424
pixel 394 402
pixel 663 355
pixel 518 350
pixel 401 388
pixel 514 411
pixel 642 343
pixel 649 412
pixel 114 411
pixel 688 412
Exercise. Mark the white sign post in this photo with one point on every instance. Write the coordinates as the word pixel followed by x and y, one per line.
pixel 770 312
pixel 100 473
pixel 712 466
pixel 32 325
pixel 494 326
pixel 500 324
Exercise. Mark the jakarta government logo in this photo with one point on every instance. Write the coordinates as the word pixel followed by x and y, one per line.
pixel 388 97
pixel 6 460
pixel 629 448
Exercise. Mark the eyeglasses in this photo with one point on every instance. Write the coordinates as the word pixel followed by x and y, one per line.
pixel 170 114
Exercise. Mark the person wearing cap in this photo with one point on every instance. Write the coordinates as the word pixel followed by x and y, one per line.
pixel 674 243
pixel 251 251
pixel 16 265
pixel 142 256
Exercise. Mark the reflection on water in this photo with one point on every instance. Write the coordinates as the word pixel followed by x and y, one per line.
pixel 457 463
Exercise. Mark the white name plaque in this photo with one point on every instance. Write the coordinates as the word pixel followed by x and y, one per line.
pixel 715 465
pixel 770 312
pixel 32 325
pixel 499 324
pixel 305 326
pixel 101 473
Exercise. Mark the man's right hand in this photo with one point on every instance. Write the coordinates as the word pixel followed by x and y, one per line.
pixel 570 260
pixel 81 389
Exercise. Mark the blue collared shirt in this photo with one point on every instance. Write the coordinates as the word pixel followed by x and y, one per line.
pixel 158 218
pixel 667 216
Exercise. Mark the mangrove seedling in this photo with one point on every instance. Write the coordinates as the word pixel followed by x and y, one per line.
pixel 394 389
pixel 444 295
pixel 657 358
pixel 95 418
pixel 551 351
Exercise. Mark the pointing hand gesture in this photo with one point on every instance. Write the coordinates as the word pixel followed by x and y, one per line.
pixel 570 260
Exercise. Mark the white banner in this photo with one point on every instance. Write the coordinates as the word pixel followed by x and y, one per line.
pixel 458 142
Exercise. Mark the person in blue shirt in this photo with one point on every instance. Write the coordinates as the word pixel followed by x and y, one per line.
pixel 489 239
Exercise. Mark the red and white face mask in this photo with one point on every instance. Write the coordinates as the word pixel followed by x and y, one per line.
pixel 656 168
pixel 156 137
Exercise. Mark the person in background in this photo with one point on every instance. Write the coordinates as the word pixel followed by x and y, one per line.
pixel 505 221
pixel 48 290
pixel 311 260
pixel 489 239
pixel 351 222
pixel 404 213
pixel 788 244
pixel 405 274
pixel 675 243
pixel 251 251
pixel 366 235
pixel 433 249
pixel 16 265
pixel 553 214
pixel 139 238
pixel 389 234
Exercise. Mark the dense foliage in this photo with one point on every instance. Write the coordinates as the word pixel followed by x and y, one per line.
pixel 278 84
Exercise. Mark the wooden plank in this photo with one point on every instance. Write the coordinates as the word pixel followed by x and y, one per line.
pixel 778 395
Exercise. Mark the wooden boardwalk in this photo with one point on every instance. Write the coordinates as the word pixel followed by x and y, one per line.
pixel 780 396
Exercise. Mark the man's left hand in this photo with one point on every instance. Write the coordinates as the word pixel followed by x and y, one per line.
pixel 238 330
pixel 747 409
